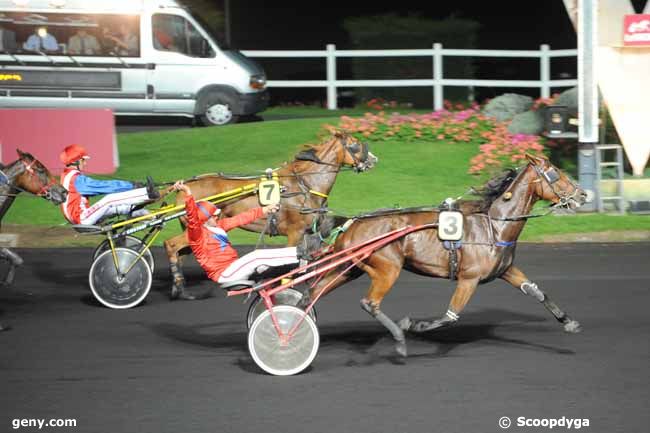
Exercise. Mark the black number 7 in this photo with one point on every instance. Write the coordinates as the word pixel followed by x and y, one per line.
pixel 271 188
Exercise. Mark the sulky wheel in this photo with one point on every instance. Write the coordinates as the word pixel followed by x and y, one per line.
pixel 288 354
pixel 115 290
pixel 285 297
pixel 126 242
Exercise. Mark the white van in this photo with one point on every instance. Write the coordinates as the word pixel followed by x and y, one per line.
pixel 137 57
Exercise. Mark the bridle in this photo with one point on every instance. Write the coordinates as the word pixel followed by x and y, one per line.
pixel 550 176
pixel 352 149
pixel 360 164
pixel 8 178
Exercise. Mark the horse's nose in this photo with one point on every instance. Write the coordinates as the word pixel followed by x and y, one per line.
pixel 372 159
pixel 582 196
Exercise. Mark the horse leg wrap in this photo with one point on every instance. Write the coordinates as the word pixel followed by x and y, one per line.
pixel 425 325
pixel 531 289
pixel 395 330
pixel 14 258
pixel 179 279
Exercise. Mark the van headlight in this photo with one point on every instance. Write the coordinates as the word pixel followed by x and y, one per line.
pixel 258 81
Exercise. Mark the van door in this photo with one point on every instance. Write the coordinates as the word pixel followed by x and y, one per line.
pixel 184 63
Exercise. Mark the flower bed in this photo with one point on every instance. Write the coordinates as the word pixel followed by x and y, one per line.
pixel 497 147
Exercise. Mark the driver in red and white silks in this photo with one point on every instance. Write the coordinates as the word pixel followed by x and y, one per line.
pixel 121 199
pixel 209 241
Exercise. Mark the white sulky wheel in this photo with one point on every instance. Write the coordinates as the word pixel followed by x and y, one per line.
pixel 114 290
pixel 126 242
pixel 285 297
pixel 278 357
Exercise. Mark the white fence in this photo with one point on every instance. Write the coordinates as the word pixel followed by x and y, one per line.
pixel 437 81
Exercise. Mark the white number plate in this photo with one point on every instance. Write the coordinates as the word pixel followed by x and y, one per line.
pixel 268 192
pixel 450 226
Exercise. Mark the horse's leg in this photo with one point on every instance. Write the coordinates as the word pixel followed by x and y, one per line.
pixel 382 277
pixel 464 291
pixel 173 246
pixel 14 261
pixel 518 279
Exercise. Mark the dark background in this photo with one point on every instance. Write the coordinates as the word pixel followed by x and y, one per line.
pixel 303 25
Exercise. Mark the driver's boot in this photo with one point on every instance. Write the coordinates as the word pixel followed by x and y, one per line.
pixel 152 192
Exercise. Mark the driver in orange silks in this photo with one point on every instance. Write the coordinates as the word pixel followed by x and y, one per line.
pixel 209 241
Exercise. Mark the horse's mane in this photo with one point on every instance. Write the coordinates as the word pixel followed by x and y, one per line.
pixel 489 192
pixel 308 150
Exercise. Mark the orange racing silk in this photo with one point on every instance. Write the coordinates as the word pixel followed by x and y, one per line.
pixel 211 246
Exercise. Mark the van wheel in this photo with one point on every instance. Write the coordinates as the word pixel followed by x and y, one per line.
pixel 217 111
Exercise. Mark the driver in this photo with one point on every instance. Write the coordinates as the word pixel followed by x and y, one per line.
pixel 212 249
pixel 121 198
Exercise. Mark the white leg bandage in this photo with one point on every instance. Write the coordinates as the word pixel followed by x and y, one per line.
pixel 246 265
pixel 530 288
pixel 119 203
pixel 451 315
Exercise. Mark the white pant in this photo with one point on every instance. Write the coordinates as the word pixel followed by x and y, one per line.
pixel 246 265
pixel 119 203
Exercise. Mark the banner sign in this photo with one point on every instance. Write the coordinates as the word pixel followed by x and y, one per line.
pixel 636 30
pixel 45 132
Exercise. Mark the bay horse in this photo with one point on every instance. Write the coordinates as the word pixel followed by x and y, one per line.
pixel 26 174
pixel 486 251
pixel 307 182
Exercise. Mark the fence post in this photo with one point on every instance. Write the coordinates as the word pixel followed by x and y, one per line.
pixel 438 96
pixel 545 70
pixel 331 77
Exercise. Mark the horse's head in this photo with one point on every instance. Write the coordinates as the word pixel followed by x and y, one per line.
pixel 34 177
pixel 553 185
pixel 355 153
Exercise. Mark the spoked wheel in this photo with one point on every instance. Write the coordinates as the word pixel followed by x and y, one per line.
pixel 115 290
pixel 126 242
pixel 283 355
pixel 285 297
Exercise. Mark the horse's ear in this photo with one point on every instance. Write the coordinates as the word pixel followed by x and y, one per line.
pixel 532 158
pixel 20 152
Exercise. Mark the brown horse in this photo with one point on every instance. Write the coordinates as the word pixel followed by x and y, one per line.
pixel 486 251
pixel 307 182
pixel 26 174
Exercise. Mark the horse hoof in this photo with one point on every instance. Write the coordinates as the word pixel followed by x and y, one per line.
pixel 572 326
pixel 400 348
pixel 405 324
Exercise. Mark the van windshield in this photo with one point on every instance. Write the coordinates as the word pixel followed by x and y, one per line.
pixel 215 36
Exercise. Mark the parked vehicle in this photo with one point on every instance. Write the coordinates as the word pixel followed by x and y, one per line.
pixel 136 57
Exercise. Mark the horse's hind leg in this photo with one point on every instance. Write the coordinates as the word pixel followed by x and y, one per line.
pixel 173 247
pixel 14 261
pixel 518 279
pixel 382 281
pixel 464 291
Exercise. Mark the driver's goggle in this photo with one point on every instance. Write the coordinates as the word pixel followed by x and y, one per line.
pixel 551 175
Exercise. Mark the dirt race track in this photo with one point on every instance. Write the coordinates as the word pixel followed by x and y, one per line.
pixel 184 367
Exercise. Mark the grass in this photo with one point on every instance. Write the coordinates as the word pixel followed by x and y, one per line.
pixel 408 174
pixel 282 112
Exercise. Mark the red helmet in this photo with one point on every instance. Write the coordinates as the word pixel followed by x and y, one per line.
pixel 206 210
pixel 73 153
